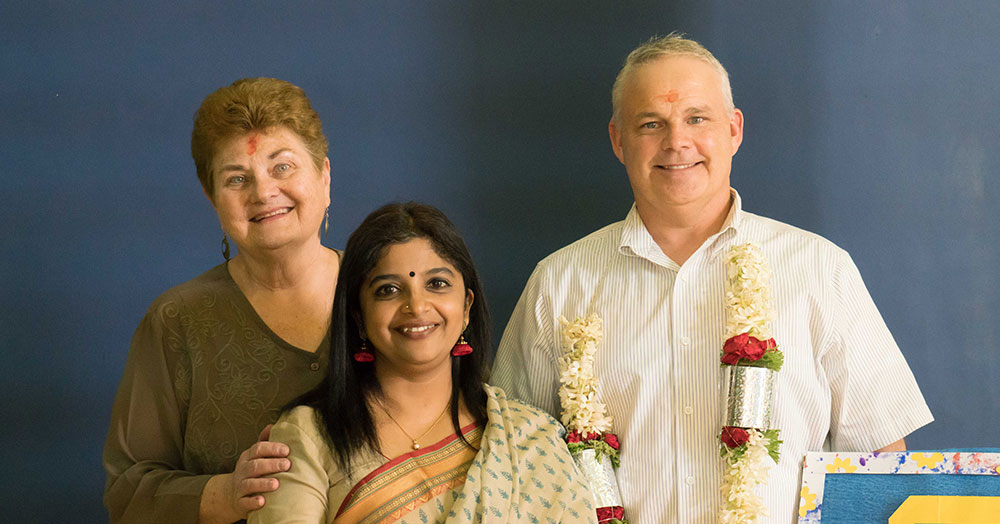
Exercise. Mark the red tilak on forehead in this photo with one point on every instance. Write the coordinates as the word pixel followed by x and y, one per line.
pixel 671 96
pixel 252 145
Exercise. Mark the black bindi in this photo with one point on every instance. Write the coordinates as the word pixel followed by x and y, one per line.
pixel 412 274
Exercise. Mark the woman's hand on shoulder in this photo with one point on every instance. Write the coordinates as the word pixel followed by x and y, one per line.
pixel 229 497
pixel 249 478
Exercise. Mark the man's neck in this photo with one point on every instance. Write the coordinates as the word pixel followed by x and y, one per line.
pixel 681 230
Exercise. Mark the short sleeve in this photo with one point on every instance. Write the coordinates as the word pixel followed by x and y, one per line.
pixel 303 490
pixel 875 400
pixel 526 365
pixel 143 453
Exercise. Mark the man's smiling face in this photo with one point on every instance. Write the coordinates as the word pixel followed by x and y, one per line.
pixel 676 133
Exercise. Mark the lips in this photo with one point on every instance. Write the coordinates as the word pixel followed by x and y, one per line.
pixel 677 167
pixel 416 330
pixel 270 214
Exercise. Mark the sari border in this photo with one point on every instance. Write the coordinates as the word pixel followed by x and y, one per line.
pixel 403 458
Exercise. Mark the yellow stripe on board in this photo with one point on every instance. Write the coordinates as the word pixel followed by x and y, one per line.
pixel 940 509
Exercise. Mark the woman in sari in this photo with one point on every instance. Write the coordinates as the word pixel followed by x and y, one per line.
pixel 404 429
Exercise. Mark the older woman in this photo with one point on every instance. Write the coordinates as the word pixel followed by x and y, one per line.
pixel 216 358
pixel 403 430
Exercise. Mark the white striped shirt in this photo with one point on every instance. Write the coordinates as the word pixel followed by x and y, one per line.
pixel 844 386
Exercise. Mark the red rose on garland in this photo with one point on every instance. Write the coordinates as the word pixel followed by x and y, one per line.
pixel 734 437
pixel 610 514
pixel 745 346
pixel 573 436
pixel 612 440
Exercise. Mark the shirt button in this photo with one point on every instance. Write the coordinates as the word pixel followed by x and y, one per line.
pixel 684 278
pixel 689 481
pixel 314 366
pixel 688 410
pixel 686 341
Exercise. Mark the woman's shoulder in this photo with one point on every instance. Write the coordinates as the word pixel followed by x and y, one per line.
pixel 306 418
pixel 199 296
pixel 209 282
pixel 300 424
pixel 301 428
pixel 512 407
pixel 185 313
pixel 499 395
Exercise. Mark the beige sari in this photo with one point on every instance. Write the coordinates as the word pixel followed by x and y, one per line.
pixel 521 472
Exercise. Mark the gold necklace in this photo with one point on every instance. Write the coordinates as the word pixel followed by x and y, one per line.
pixel 414 440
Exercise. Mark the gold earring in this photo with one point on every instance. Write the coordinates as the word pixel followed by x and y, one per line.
pixel 225 247
pixel 326 220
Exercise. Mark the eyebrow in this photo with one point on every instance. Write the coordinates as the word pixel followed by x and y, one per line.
pixel 393 276
pixel 278 152
pixel 687 111
pixel 239 167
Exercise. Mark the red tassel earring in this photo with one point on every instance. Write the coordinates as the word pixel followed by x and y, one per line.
pixel 364 354
pixel 461 348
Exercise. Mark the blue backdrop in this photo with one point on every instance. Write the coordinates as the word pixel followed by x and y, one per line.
pixel 872 124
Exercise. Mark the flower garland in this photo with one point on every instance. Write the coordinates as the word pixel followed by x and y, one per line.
pixel 746 451
pixel 583 415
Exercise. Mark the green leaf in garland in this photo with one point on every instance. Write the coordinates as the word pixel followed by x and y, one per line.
pixel 773 442
pixel 773 359
pixel 733 454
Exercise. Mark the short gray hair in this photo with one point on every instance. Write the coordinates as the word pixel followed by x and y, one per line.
pixel 673 44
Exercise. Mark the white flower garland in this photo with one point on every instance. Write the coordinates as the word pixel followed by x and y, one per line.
pixel 748 313
pixel 748 297
pixel 581 411
pixel 740 504
pixel 586 418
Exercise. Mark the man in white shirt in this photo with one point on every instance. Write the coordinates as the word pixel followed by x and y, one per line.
pixel 657 281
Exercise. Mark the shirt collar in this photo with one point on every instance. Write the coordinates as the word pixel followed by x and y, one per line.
pixel 730 227
pixel 636 240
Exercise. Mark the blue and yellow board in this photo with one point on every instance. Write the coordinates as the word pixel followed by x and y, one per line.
pixel 910 487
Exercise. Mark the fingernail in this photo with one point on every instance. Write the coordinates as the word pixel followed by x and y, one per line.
pixel 285 464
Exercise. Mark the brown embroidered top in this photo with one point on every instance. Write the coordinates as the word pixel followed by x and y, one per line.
pixel 204 375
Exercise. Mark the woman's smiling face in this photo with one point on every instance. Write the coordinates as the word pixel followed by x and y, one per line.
pixel 414 307
pixel 268 192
